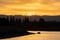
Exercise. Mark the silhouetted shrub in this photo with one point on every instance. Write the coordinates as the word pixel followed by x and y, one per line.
pixel 41 20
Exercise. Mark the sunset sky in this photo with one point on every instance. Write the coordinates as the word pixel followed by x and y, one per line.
pixel 30 7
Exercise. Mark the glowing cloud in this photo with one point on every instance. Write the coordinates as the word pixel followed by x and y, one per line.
pixel 24 7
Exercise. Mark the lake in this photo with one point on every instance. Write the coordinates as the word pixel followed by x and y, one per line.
pixel 45 35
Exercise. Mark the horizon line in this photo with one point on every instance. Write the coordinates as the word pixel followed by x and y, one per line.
pixel 28 15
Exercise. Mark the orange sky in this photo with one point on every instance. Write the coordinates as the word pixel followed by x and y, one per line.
pixel 30 7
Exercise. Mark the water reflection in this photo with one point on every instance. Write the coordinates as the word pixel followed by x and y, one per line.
pixel 45 35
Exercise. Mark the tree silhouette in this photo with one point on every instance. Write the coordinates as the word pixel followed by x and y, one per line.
pixel 26 20
pixel 41 23
pixel 3 21
pixel 41 20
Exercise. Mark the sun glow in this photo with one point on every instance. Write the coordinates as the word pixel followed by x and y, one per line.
pixel 30 13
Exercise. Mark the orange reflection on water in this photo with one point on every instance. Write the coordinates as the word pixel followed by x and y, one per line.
pixel 43 36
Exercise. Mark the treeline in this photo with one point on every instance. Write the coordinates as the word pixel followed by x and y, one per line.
pixel 12 22
pixel 28 25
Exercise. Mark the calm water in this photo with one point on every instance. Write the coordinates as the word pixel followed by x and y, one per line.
pixel 45 35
